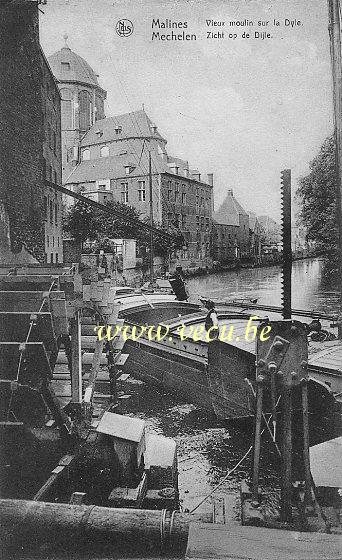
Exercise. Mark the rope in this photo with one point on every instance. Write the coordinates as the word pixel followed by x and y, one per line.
pixel 223 480
pixel 230 472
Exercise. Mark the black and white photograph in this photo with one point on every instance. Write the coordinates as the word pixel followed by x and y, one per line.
pixel 170 279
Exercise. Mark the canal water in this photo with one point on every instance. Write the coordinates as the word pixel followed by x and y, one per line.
pixel 207 448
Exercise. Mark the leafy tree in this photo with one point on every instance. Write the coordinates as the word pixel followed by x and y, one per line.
pixel 317 192
pixel 86 223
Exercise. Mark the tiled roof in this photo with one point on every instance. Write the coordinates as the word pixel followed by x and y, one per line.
pixel 115 167
pixel 134 125
pixel 79 70
pixel 229 211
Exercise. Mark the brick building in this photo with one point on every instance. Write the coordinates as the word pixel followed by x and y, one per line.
pixel 114 165
pixel 30 147
pixel 230 231
pixel 82 101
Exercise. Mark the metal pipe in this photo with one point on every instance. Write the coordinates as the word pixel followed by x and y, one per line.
pixel 72 526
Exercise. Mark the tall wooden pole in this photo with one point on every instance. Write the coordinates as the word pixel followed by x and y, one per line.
pixel 335 52
pixel 151 217
pixel 286 487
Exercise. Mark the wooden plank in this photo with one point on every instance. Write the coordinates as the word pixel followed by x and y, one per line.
pixel 89 342
pixel 236 542
pixel 76 374
pixel 106 288
pixel 87 358
pixel 88 397
pixel 59 471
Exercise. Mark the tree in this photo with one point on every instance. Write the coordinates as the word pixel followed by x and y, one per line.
pixel 317 192
pixel 86 223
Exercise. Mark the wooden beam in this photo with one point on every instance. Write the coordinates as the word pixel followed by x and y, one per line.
pixel 76 358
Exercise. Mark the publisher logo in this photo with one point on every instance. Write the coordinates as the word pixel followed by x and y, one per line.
pixel 124 28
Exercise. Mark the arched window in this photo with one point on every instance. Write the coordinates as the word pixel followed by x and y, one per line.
pixel 85 110
pixel 66 108
pixel 86 155
pixel 104 151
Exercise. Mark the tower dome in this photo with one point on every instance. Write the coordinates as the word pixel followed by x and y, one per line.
pixel 82 100
pixel 68 66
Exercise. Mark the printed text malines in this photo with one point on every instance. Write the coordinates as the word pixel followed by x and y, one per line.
pixel 168 24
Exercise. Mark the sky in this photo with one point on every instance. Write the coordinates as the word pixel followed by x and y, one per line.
pixel 241 108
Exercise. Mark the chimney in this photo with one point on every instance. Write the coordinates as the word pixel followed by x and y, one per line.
pixel 210 179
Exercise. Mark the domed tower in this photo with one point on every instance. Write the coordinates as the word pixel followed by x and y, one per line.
pixel 82 101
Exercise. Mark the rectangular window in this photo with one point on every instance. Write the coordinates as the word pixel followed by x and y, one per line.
pixel 65 66
pixel 183 198
pixel 141 191
pixel 202 222
pixel 103 185
pixel 124 193
pixel 197 222
pixel 176 193
pixel 51 173
pixel 45 207
pixel 51 257
pixel 51 212
pixel 56 257
pixel 55 177
pixel 56 214
pixel 54 142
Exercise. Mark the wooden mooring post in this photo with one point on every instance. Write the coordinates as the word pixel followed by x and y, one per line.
pixel 281 370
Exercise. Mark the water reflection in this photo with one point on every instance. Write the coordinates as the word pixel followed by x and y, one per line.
pixel 313 287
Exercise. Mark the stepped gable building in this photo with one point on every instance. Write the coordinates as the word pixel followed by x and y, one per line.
pixel 82 101
pixel 30 212
pixel 230 231
pixel 114 164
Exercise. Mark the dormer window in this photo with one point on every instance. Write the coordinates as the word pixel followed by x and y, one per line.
pixel 86 155
pixel 118 130
pixel 129 168
pixel 104 151
pixel 65 66
pixel 154 129
pixel 99 133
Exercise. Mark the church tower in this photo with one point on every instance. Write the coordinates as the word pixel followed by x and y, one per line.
pixel 82 101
